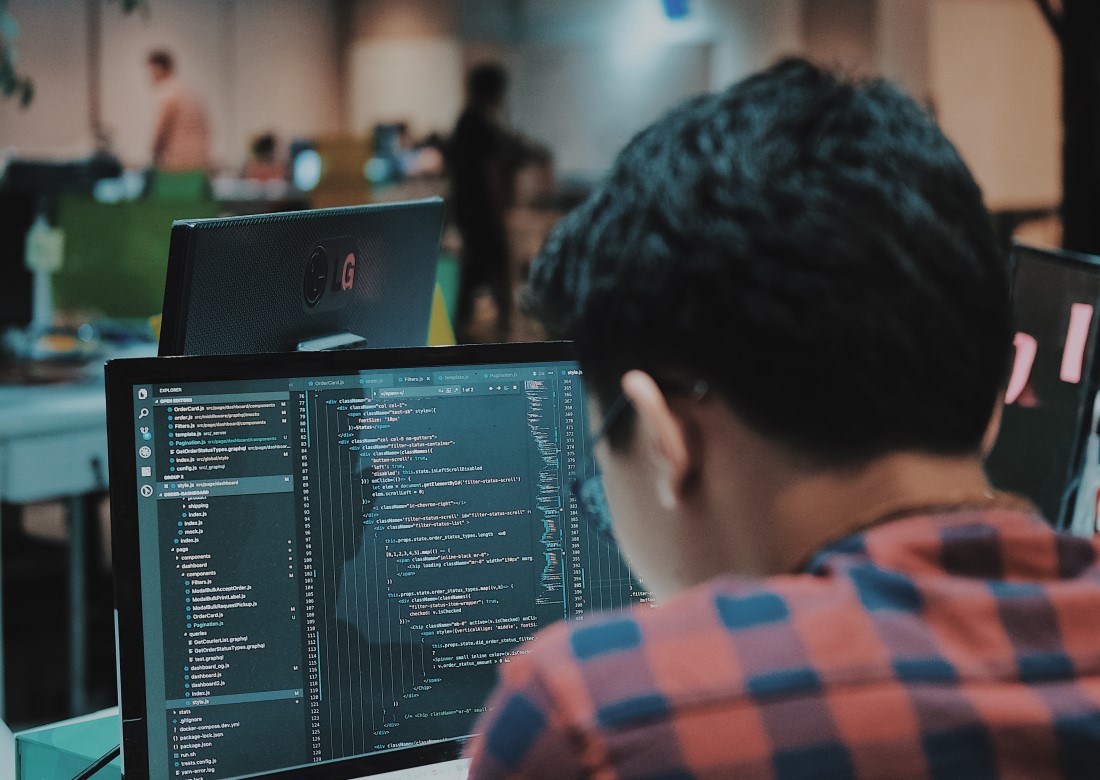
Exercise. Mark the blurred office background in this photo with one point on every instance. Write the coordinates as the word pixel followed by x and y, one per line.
pixel 585 75
pixel 343 79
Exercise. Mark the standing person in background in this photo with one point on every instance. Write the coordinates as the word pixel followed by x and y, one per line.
pixel 481 193
pixel 181 140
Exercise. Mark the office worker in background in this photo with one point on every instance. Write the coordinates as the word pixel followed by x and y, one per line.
pixel 793 320
pixel 480 161
pixel 181 138
pixel 264 163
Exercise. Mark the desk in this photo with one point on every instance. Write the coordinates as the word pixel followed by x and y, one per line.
pixel 53 445
pixel 66 748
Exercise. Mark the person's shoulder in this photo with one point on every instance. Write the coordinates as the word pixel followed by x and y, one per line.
pixel 712 624
pixel 730 639
pixel 715 657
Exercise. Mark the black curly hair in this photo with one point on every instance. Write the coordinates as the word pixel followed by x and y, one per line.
pixel 810 245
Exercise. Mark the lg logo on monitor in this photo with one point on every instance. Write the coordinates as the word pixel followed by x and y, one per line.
pixel 333 259
pixel 347 276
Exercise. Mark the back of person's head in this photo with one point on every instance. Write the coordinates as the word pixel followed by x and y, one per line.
pixel 163 59
pixel 263 146
pixel 486 83
pixel 812 247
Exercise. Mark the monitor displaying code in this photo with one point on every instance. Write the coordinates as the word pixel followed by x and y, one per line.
pixel 336 565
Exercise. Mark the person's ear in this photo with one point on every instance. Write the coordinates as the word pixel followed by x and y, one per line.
pixel 661 434
pixel 989 438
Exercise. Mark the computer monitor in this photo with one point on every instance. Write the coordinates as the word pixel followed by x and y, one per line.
pixel 48 180
pixel 17 211
pixel 1048 403
pixel 321 558
pixel 360 276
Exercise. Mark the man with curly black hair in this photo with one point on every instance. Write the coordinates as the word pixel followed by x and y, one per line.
pixel 794 323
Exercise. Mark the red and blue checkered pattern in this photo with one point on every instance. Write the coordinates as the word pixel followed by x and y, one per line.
pixel 958 645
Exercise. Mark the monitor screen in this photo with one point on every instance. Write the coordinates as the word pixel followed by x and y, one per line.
pixel 325 556
pixel 1048 401
pixel 359 276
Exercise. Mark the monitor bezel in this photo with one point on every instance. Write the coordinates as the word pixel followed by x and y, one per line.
pixel 1052 254
pixel 121 375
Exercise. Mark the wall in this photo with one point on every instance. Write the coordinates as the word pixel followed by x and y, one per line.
pixel 589 75
pixel 995 81
pixel 586 102
pixel 405 62
pixel 903 45
pixel 841 33
pixel 53 53
pixel 259 63
pixel 749 34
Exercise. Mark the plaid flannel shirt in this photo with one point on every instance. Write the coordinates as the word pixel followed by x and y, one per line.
pixel 956 645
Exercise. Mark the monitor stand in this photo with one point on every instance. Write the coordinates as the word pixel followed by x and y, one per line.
pixel 332 341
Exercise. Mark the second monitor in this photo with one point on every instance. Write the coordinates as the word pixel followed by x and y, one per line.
pixel 1049 398
pixel 359 276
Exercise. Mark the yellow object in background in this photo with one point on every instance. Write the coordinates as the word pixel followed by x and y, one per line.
pixel 440 332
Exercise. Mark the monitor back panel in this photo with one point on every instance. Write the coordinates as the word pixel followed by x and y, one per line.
pixel 266 283
pixel 325 556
